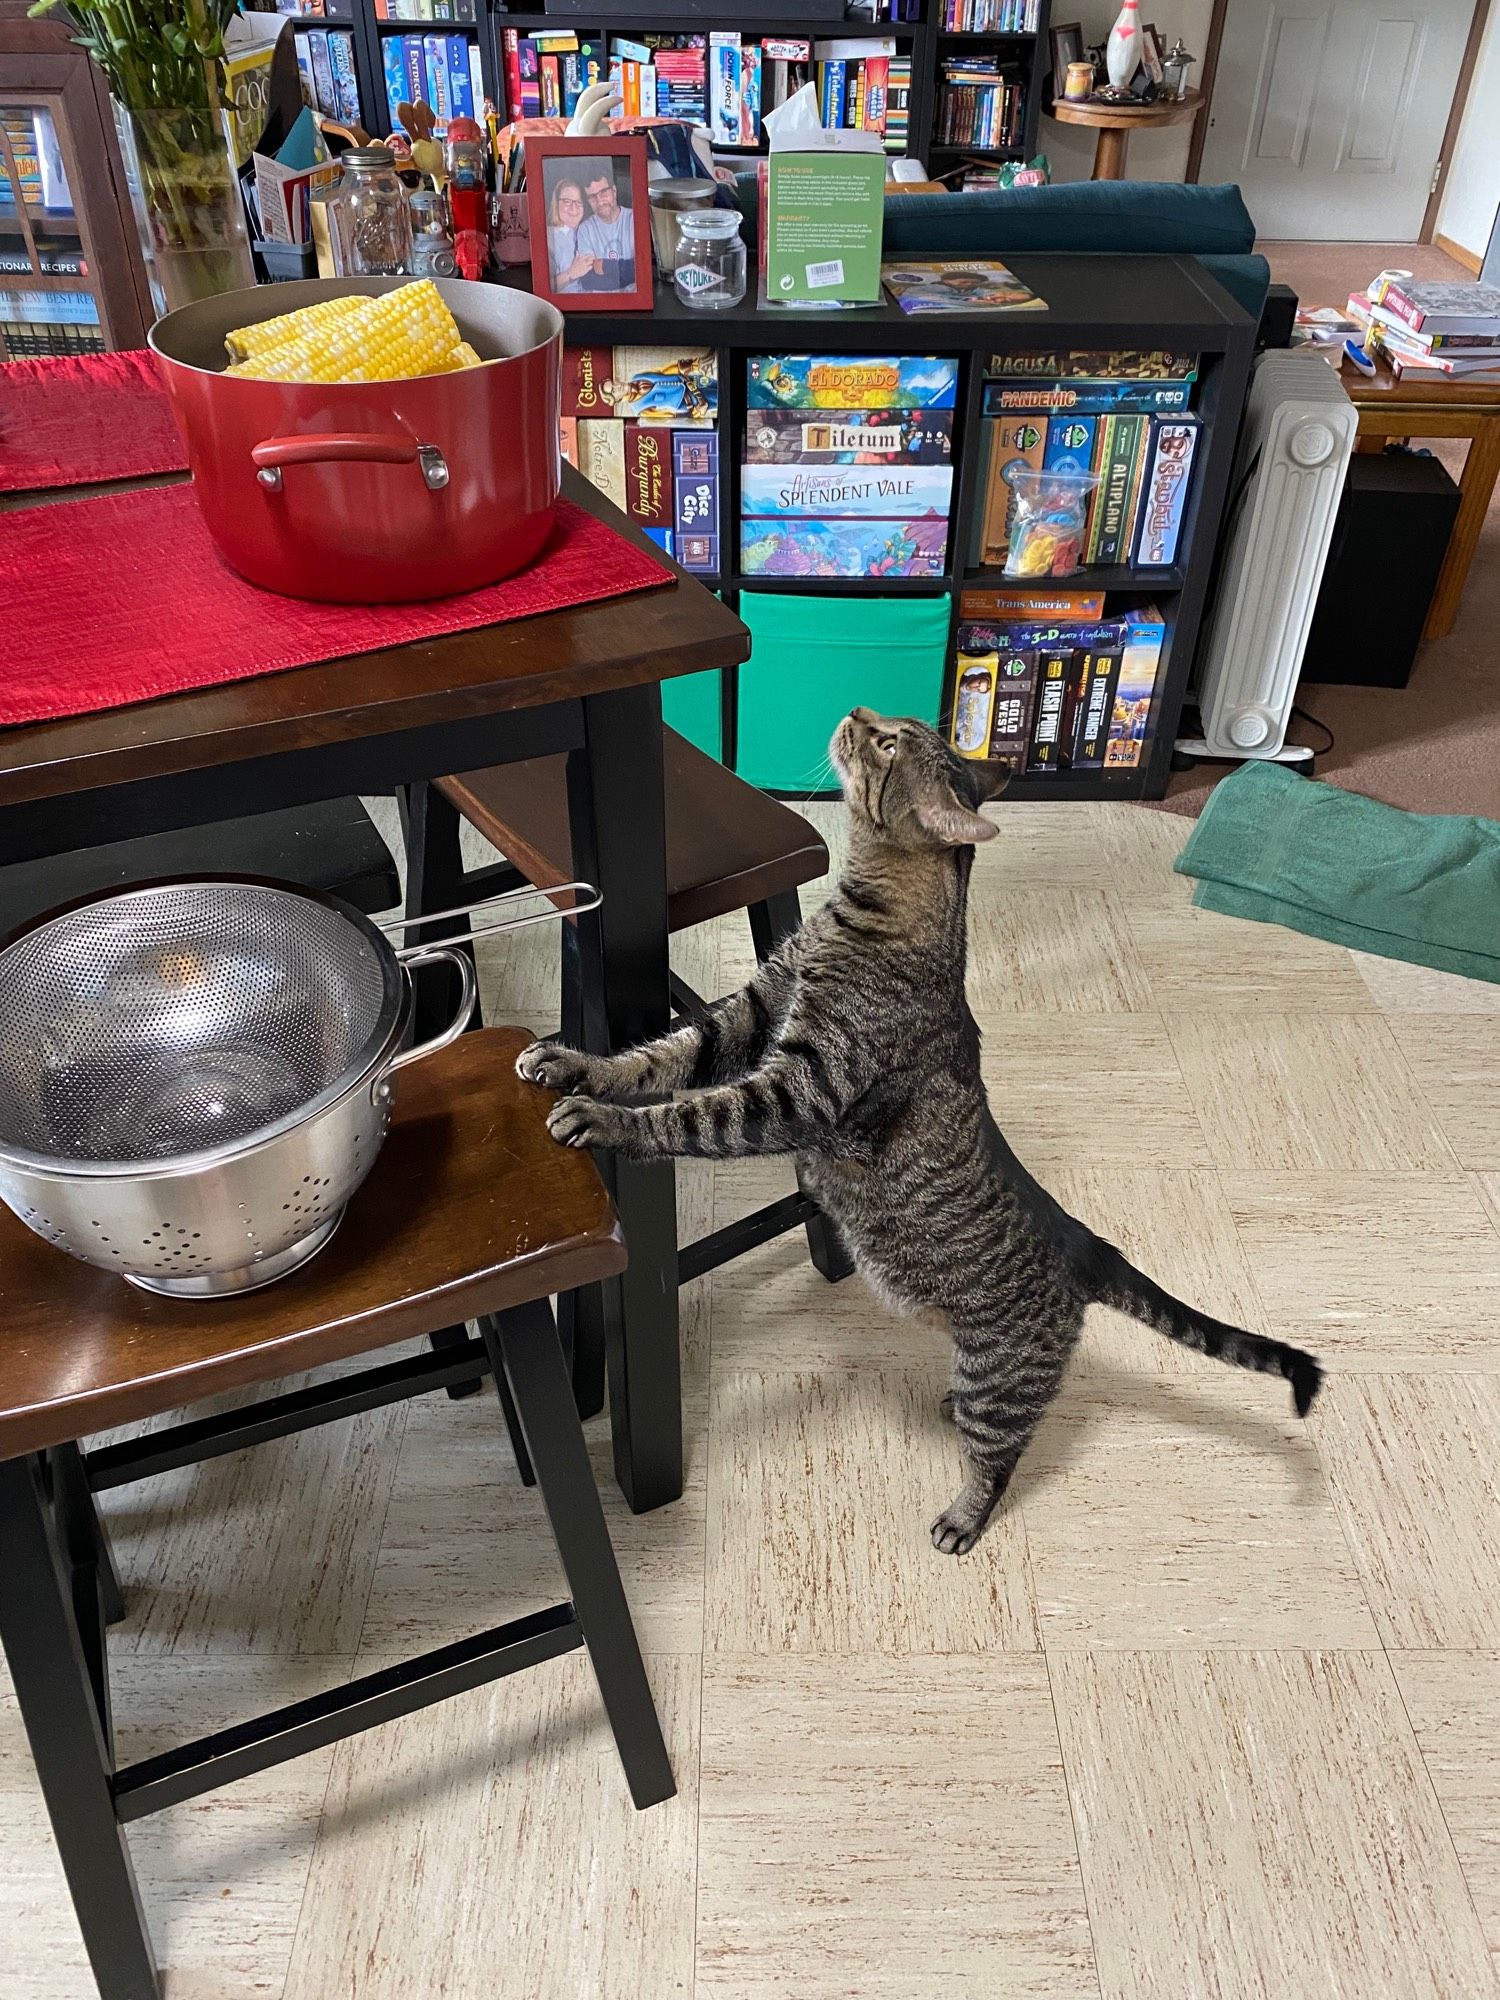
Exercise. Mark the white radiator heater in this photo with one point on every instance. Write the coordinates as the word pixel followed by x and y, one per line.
pixel 1289 472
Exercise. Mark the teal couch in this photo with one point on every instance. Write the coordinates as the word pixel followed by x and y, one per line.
pixel 1102 217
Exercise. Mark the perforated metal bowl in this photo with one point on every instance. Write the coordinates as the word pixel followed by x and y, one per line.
pixel 196 1076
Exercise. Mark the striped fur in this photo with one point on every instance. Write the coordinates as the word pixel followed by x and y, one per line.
pixel 855 1049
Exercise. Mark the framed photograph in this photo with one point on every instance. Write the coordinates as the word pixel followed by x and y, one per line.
pixel 1151 53
pixel 1067 47
pixel 590 223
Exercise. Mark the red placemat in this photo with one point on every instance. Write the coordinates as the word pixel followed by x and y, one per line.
pixel 123 599
pixel 75 419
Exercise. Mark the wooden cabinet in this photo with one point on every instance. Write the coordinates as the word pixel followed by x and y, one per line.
pixel 71 277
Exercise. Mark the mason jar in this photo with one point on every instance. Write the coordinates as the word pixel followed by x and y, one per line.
pixel 376 212
pixel 709 273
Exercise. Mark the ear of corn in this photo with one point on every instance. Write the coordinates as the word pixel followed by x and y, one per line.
pixel 403 333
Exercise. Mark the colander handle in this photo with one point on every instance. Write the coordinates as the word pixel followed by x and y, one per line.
pixel 429 954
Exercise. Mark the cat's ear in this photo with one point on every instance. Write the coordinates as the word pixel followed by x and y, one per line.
pixel 953 824
pixel 993 777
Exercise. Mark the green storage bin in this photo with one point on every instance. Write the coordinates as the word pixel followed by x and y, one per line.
pixel 690 704
pixel 815 658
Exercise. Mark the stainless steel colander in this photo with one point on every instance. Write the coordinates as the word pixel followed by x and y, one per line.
pixel 196 1076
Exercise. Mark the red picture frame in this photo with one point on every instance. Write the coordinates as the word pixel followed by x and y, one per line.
pixel 586 201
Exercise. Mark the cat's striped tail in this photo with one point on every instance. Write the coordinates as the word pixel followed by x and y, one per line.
pixel 1130 1291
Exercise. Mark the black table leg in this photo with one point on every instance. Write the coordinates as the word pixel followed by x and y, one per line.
pixel 580 1314
pixel 56 1697
pixel 616 817
pixel 524 1351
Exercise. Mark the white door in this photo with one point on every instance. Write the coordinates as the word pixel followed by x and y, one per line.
pixel 1331 117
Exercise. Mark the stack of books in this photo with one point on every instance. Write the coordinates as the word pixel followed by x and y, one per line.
pixel 1124 416
pixel 20 130
pixel 1431 327
pixel 548 71
pixel 861 83
pixel 42 322
pixel 990 17
pixel 442 70
pixel 638 423
pixel 410 10
pixel 325 58
pixel 982 103
pixel 848 465
pixel 1046 683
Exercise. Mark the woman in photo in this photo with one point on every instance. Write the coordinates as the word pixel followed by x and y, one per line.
pixel 565 214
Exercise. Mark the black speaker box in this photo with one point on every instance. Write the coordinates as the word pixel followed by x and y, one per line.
pixel 1388 545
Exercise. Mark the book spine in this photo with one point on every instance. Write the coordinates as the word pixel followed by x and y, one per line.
pixel 460 84
pixel 601 450
pixel 877 86
pixel 510 43
pixel 1396 302
pixel 648 475
pixel 750 62
pixel 322 63
pixel 345 82
pixel 724 88
pixel 416 82
pixel 435 64
pixel 1054 675
pixel 550 78
pixel 1101 674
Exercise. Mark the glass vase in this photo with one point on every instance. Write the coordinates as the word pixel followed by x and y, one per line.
pixel 189 212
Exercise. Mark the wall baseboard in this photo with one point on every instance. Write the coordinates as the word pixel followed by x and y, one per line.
pixel 1468 258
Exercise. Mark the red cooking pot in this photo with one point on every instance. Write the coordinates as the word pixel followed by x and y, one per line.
pixel 373 492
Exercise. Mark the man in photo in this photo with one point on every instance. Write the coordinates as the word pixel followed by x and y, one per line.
pixel 607 232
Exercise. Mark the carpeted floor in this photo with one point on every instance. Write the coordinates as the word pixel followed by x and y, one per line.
pixel 1433 746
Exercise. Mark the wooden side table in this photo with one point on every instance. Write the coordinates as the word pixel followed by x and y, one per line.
pixel 1416 405
pixel 1115 123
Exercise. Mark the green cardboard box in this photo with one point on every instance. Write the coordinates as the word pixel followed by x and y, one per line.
pixel 825 213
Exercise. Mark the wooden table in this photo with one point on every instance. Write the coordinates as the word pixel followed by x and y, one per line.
pixel 584 681
pixel 1422 405
pixel 1115 123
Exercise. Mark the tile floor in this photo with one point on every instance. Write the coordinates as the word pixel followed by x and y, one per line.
pixel 1213 1713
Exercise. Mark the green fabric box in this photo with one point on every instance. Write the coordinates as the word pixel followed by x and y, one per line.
pixel 813 659
pixel 690 704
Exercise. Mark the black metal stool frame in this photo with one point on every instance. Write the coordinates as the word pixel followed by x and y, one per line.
pixel 60 1590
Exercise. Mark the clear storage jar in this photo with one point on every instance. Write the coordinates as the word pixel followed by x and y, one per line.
pixel 709 273
pixel 376 213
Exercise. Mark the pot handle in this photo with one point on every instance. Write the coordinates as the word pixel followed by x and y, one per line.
pixel 428 954
pixel 367 447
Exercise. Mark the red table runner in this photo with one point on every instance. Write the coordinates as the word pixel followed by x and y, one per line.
pixel 125 598
pixel 80 419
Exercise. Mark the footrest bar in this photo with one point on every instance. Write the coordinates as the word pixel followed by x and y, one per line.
pixel 735 1238
pixel 280 1416
pixel 287 1732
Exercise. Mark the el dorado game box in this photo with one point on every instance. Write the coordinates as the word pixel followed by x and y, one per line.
pixel 850 382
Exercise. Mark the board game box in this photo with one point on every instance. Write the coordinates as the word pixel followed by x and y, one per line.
pixel 850 382
pixel 897 492
pixel 1130 364
pixel 1095 396
pixel 662 385
pixel 849 437
pixel 974 285
pixel 1164 491
pixel 811 547
pixel 648 475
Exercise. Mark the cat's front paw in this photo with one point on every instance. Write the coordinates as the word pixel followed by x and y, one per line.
pixel 582 1121
pixel 553 1067
pixel 953 1534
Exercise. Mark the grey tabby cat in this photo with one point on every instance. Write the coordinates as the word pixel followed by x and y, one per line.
pixel 855 1049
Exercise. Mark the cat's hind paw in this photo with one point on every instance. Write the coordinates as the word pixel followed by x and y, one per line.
pixel 553 1067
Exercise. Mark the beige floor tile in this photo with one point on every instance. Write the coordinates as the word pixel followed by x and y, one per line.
pixel 1399 988
pixel 222 1878
pixel 1328 1091
pixel 1260 1827
pixel 1414 1469
pixel 822 1490
pixel 876 1829
pixel 1200 961
pixel 1053 950
pixel 466 1546
pixel 1487 1187
pixel 1163 1511
pixel 487 1849
pixel 1041 845
pixel 1176 1227
pixel 1143 846
pixel 269 1550
pixel 1456 1061
pixel 1374 1271
pixel 1453 1701
pixel 1090 1089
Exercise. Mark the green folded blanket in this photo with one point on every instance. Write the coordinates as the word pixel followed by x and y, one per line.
pixel 1284 850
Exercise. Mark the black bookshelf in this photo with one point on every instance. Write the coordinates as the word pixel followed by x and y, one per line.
pixel 1093 302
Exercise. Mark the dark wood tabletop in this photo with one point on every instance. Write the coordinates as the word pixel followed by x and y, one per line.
pixel 525 663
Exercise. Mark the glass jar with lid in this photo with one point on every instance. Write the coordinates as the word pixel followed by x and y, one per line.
pixel 431 244
pixel 376 218
pixel 709 273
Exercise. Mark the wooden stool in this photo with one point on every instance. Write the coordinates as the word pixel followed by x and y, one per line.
pixel 470 1211
pixel 729 847
pixel 332 845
